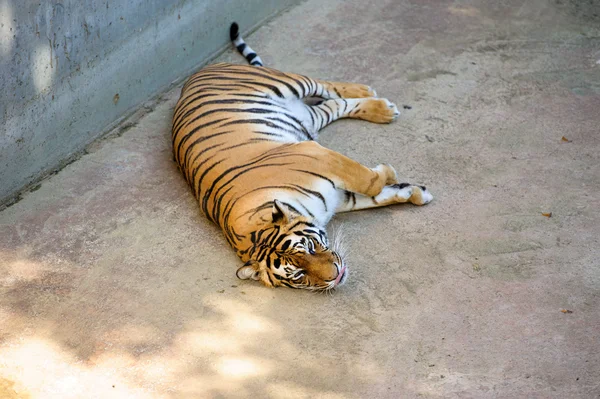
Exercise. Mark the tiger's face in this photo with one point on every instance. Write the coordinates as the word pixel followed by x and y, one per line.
pixel 293 252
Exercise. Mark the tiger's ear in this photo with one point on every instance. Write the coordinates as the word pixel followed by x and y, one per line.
pixel 281 214
pixel 249 270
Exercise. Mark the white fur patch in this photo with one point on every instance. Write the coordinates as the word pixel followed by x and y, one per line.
pixel 426 196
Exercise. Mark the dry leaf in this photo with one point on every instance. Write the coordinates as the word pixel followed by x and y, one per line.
pixel 547 214
pixel 566 311
pixel 566 140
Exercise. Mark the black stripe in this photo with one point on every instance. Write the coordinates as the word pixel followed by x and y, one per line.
pixel 196 170
pixel 217 205
pixel 237 145
pixel 306 209
pixel 299 83
pixel 329 114
pixel 199 140
pixel 191 133
pixel 302 129
pixel 254 211
pixel 203 175
pixel 311 111
pixel 209 191
pixel 274 89
pixel 299 223
pixel 187 168
pixel 251 121
pixel 316 175
pixel 270 77
pixel 279 239
pixel 270 279
pixel 223 101
pixel 309 137
pixel 196 189
pixel 257 95
pixel 272 235
pixel 185 102
pixel 228 110
pixel 266 134
pixel 314 193
pixel 286 245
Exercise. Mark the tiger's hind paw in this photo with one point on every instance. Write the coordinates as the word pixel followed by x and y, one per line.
pixel 355 90
pixel 378 110
pixel 418 195
pixel 426 196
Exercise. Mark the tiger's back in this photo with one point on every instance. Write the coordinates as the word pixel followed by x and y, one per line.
pixel 232 127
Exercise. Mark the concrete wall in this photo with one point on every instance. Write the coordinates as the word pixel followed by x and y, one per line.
pixel 70 69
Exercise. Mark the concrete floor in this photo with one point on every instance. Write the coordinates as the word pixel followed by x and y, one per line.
pixel 113 285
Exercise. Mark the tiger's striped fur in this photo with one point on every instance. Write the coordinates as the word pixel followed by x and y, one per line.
pixel 244 138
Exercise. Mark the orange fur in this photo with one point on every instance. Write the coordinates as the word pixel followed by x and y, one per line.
pixel 243 138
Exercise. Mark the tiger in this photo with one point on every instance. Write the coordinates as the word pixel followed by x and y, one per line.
pixel 245 139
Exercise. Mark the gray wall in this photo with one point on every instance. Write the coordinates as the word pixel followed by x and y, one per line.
pixel 63 62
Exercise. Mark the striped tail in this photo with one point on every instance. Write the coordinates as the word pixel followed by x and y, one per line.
pixel 243 48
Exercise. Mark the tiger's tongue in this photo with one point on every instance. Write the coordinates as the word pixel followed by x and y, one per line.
pixel 340 275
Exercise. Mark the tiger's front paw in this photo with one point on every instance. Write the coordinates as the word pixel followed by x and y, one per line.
pixel 388 172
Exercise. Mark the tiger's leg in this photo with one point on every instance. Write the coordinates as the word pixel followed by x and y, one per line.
pixel 335 90
pixel 344 173
pixel 377 110
pixel 330 90
pixel 394 194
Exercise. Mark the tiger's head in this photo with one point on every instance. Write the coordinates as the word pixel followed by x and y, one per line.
pixel 294 252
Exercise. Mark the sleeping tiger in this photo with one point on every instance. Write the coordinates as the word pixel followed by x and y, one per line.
pixel 244 137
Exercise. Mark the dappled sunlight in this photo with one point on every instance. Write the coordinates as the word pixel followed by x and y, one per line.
pixel 7 30
pixel 241 368
pixel 41 369
pixel 199 342
pixel 289 390
pixel 43 67
pixel 468 11
pixel 240 317
pixel 70 330
pixel 228 353
pixel 20 270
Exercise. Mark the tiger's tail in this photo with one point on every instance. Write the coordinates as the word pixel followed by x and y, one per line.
pixel 243 48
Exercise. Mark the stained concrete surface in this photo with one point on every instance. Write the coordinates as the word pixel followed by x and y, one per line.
pixel 114 285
